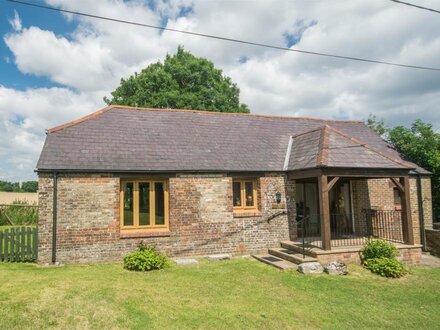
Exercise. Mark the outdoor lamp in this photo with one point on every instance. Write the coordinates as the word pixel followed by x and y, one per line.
pixel 278 196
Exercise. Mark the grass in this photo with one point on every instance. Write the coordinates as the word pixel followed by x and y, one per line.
pixel 226 295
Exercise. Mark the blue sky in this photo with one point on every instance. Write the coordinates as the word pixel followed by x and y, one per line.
pixel 55 68
pixel 10 75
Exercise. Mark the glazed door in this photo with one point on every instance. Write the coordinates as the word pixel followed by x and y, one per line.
pixel 340 208
pixel 307 205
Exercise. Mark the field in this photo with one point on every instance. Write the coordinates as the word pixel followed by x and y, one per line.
pixel 219 295
pixel 10 197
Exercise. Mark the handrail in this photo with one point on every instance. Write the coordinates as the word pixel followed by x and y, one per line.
pixel 303 242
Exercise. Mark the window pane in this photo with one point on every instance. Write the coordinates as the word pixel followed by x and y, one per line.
pixel 144 204
pixel 159 203
pixel 249 193
pixel 128 203
pixel 396 196
pixel 236 187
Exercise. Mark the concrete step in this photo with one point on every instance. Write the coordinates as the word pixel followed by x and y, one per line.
pixel 291 255
pixel 275 261
pixel 297 247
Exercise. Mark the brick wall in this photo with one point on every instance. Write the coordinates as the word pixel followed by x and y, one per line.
pixel 408 255
pixel 433 241
pixel 201 219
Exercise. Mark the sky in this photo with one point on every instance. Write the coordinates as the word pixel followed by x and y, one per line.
pixel 57 67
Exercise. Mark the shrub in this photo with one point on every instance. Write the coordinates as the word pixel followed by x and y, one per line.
pixel 386 267
pixel 145 259
pixel 378 248
pixel 19 213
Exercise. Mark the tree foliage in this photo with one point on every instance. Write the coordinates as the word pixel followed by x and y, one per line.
pixel 421 145
pixel 376 125
pixel 27 186
pixel 182 81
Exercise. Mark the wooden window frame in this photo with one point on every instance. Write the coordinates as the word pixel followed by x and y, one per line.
pixel 152 190
pixel 243 207
pixel 397 206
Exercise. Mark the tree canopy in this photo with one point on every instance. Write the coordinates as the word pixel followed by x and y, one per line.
pixel 418 144
pixel 27 186
pixel 182 81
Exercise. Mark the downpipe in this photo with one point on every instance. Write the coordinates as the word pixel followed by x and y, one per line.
pixel 54 217
pixel 421 215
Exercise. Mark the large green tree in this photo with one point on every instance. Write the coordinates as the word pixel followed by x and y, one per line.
pixel 419 144
pixel 182 81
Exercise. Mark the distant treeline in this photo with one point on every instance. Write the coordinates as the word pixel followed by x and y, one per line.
pixel 27 186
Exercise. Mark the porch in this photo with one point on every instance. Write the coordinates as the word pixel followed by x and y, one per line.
pixel 326 217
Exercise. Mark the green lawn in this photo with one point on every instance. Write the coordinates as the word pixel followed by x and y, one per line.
pixel 229 295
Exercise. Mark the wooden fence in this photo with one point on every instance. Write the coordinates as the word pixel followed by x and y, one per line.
pixel 19 244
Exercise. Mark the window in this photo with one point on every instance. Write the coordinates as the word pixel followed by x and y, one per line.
pixel 144 204
pixel 397 201
pixel 244 194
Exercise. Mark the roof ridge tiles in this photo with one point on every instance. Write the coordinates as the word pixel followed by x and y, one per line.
pixel 114 106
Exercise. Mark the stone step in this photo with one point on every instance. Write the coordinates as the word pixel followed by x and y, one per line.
pixel 297 247
pixel 275 261
pixel 291 255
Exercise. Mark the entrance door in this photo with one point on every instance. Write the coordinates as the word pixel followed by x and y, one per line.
pixel 307 205
pixel 340 209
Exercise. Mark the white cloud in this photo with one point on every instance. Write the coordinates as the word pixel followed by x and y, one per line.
pixel 24 117
pixel 93 58
pixel 15 22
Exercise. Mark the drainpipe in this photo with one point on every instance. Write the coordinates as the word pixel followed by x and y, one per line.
pixel 421 216
pixel 54 213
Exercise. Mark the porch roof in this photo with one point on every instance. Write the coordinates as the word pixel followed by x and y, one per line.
pixel 329 147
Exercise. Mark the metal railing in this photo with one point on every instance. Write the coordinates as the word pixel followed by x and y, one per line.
pixel 308 233
pixel 387 225
pixel 346 231
pixel 371 223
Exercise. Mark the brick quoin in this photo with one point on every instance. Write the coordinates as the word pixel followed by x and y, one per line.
pixel 201 216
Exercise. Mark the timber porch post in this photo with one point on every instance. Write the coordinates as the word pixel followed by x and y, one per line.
pixel 408 233
pixel 324 208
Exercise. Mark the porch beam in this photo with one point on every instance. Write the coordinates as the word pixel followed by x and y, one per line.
pixel 408 232
pixel 332 183
pixel 364 173
pixel 398 185
pixel 325 211
pixel 305 174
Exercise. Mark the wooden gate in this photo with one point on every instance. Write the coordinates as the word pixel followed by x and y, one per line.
pixel 19 244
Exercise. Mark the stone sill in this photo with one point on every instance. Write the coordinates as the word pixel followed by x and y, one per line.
pixel 246 214
pixel 144 233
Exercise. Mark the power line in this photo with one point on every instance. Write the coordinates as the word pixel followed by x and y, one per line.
pixel 359 59
pixel 416 6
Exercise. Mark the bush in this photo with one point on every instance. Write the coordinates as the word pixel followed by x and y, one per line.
pixel 147 258
pixel 378 248
pixel 386 267
pixel 19 213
